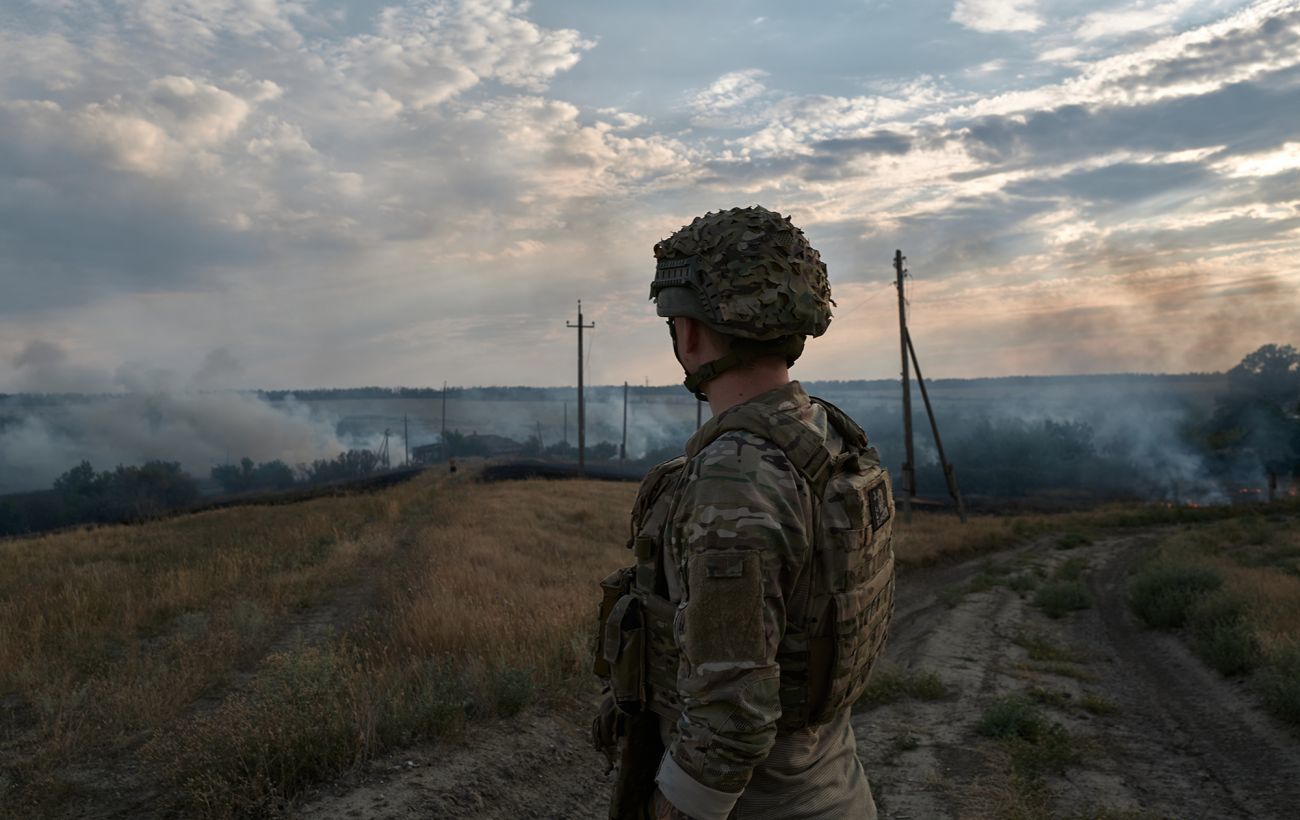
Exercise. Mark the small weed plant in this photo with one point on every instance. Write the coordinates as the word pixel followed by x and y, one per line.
pixel 888 685
pixel 1059 598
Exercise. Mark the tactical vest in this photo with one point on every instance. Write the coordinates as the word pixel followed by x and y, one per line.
pixel 837 614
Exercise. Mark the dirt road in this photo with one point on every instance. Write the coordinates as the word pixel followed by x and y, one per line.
pixel 1148 731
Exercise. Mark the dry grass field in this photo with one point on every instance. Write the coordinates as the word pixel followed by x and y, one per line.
pixel 246 652
pixel 219 663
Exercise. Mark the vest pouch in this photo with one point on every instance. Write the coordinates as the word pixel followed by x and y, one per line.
pixel 860 620
pixel 615 585
pixel 624 652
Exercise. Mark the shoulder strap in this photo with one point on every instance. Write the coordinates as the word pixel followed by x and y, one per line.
pixel 848 429
pixel 801 444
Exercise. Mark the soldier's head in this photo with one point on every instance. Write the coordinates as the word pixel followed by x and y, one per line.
pixel 739 287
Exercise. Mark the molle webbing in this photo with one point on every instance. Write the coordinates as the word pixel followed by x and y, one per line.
pixel 801 444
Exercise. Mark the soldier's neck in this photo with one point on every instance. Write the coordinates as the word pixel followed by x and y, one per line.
pixel 742 384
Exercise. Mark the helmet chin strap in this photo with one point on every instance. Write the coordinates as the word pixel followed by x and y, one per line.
pixel 742 351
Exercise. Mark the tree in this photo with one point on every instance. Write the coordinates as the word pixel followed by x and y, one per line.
pixel 1271 373
pixel 532 447
pixel 351 464
pixel 79 481
pixel 603 451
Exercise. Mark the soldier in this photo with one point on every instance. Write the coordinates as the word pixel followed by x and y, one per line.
pixel 763 584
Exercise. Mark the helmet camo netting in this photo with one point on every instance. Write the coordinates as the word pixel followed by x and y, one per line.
pixel 753 272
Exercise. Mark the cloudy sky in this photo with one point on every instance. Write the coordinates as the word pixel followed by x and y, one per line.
pixel 263 193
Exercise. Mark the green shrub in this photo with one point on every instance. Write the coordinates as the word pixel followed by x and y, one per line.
pixel 1280 684
pixel 1041 648
pixel 1072 539
pixel 1097 705
pixel 1161 594
pixel 1024 582
pixel 434 704
pixel 1221 635
pixel 1012 716
pixel 1051 751
pixel 1060 597
pixel 889 685
pixel 1050 697
pixel 512 690
pixel 1071 570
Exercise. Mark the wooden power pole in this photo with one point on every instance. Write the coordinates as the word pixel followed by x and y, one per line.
pixel 909 473
pixel 622 448
pixel 582 408
pixel 442 441
pixel 949 476
pixel 909 355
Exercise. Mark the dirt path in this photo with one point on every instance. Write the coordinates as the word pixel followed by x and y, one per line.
pixel 1162 736
pixel 1179 740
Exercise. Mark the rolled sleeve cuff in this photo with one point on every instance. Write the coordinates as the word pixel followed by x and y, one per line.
pixel 690 796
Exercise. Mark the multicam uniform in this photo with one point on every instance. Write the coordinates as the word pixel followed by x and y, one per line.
pixel 764 574
pixel 778 587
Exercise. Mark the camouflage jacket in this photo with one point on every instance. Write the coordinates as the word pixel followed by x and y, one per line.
pixel 737 531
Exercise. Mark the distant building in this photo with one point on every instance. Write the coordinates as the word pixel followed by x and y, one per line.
pixel 427 453
pixel 490 445
pixel 487 445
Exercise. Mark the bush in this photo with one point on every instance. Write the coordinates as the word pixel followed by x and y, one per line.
pixel 1071 570
pixel 1162 594
pixel 1041 648
pixel 1060 597
pixel 512 690
pixel 1012 716
pixel 1280 684
pixel 1222 638
pixel 1024 582
pixel 890 685
pixel 1072 539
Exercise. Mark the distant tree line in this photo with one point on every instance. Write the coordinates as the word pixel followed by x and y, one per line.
pixel 137 493
pixel 247 476
pixel 84 496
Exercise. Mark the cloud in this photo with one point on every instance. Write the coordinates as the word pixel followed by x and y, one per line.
pixel 363 195
pixel 730 91
pixel 997 15
pixel 427 53
pixel 1143 17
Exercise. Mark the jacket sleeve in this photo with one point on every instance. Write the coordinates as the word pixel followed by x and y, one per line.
pixel 740 533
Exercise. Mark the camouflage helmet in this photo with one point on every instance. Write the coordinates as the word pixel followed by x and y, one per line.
pixel 746 272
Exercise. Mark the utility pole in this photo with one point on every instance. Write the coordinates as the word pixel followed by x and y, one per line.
pixel 541 445
pixel 582 420
pixel 909 473
pixel 948 475
pixel 442 440
pixel 406 443
pixel 622 448
pixel 566 423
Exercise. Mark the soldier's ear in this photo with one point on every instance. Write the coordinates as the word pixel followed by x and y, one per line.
pixel 688 335
pixel 695 338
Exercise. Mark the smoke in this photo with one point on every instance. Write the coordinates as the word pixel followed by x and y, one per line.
pixel 1139 426
pixel 151 414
